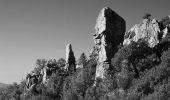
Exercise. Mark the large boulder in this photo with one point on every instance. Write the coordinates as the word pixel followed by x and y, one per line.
pixel 70 58
pixel 110 29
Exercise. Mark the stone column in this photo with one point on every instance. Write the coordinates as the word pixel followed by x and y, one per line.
pixel 110 29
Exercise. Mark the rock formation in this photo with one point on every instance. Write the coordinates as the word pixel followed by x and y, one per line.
pixel 48 70
pixel 110 29
pixel 132 63
pixel 93 54
pixel 31 81
pixel 70 58
pixel 149 30
pixel 79 66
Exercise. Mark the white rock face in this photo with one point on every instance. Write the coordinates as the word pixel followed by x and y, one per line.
pixel 102 54
pixel 165 32
pixel 68 50
pixel 101 22
pixel 44 73
pixel 148 31
pixel 101 70
pixel 110 28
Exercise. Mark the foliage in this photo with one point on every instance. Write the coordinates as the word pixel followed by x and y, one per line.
pixel 165 21
pixel 82 60
pixel 11 92
pixel 76 84
pixel 61 63
pixel 138 73
pixel 147 16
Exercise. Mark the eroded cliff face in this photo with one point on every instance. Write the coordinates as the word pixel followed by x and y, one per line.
pixel 110 29
pixel 148 30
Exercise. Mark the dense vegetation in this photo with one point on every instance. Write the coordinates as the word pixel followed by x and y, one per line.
pixel 138 73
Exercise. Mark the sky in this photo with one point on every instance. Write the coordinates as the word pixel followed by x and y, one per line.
pixel 37 29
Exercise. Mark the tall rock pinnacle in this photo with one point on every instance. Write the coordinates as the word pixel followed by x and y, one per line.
pixel 110 29
pixel 70 58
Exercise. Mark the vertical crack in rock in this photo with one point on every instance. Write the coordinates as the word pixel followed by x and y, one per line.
pixel 110 29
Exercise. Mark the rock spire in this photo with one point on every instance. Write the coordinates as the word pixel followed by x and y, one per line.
pixel 110 29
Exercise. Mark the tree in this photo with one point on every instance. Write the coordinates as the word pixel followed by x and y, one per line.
pixel 165 21
pixel 147 16
pixel 61 63
pixel 41 63
pixel 82 60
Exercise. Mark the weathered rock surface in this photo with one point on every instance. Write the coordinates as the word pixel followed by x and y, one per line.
pixel 151 31
pixel 70 58
pixel 147 30
pixel 93 54
pixel 110 29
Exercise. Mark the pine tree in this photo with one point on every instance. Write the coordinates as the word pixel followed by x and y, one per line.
pixel 82 60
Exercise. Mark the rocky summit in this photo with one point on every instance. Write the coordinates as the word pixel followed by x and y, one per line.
pixel 110 29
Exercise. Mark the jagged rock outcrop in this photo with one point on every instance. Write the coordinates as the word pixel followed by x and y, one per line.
pixel 41 75
pixel 48 70
pixel 110 29
pixel 70 58
pixel 149 30
pixel 31 81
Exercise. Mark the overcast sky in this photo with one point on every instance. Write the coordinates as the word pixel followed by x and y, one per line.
pixel 32 29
